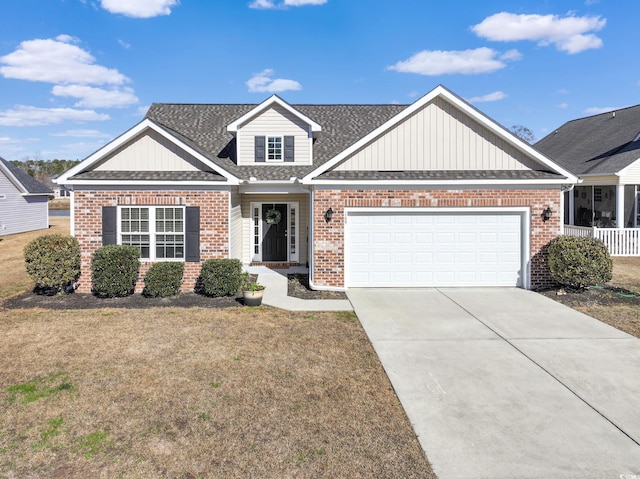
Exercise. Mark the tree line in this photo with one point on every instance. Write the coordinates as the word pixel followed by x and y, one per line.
pixel 41 169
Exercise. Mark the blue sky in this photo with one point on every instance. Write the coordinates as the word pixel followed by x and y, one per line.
pixel 76 73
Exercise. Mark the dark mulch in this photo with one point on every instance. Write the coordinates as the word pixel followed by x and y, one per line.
pixel 594 296
pixel 134 301
pixel 299 288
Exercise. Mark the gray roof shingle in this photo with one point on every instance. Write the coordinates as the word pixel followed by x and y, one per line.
pixel 597 145
pixel 204 128
pixel 30 184
pixel 150 175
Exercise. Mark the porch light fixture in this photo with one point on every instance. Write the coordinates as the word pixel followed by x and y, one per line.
pixel 546 214
pixel 328 215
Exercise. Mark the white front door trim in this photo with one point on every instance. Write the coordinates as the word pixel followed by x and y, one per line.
pixel 257 235
pixel 524 212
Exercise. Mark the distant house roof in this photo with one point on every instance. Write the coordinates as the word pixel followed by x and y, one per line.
pixel 25 182
pixel 204 128
pixel 596 145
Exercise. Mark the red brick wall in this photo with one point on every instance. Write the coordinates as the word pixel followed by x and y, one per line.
pixel 214 225
pixel 328 250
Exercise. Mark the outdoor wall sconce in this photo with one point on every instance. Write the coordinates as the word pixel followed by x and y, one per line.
pixel 546 214
pixel 328 215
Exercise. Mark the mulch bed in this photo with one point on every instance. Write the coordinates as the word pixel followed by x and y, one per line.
pixel 594 296
pixel 298 288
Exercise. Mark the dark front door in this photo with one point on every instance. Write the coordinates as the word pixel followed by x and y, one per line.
pixel 274 232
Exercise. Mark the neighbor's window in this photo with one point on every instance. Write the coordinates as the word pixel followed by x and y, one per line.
pixel 274 148
pixel 157 231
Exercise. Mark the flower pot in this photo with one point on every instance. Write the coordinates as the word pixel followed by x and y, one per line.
pixel 253 298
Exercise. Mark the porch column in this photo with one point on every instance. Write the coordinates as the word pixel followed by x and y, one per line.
pixel 620 206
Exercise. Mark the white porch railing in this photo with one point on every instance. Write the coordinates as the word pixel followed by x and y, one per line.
pixel 620 241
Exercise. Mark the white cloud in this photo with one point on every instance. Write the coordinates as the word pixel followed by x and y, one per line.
pixel 439 62
pixel 267 4
pixel 570 34
pixel 57 61
pixel 596 110
pixel 139 8
pixel 33 116
pixel 563 106
pixel 511 56
pixel 264 83
pixel 92 97
pixel 82 134
pixel 495 96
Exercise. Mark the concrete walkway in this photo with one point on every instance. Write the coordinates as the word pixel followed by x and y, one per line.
pixel 505 383
pixel 275 293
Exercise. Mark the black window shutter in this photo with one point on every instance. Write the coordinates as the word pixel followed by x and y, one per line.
pixel 109 225
pixel 260 148
pixel 192 236
pixel 288 148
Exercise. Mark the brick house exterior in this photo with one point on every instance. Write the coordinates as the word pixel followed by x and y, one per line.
pixel 280 184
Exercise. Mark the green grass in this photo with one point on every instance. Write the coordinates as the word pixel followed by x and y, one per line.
pixel 94 443
pixel 39 388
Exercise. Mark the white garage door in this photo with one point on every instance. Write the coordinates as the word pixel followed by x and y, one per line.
pixel 434 249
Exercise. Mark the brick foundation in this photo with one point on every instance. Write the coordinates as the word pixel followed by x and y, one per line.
pixel 328 253
pixel 214 225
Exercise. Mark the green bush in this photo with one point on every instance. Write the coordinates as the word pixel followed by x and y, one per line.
pixel 53 263
pixel 114 270
pixel 163 279
pixel 220 277
pixel 579 261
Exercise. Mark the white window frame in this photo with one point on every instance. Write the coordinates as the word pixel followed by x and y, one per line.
pixel 279 139
pixel 152 230
pixel 291 257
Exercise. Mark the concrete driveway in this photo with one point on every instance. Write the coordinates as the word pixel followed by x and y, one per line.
pixel 505 383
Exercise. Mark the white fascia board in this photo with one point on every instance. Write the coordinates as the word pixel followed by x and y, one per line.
pixel 233 127
pixel 128 183
pixel 129 135
pixel 441 91
pixel 383 183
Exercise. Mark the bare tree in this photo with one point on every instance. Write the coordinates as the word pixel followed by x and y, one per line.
pixel 523 133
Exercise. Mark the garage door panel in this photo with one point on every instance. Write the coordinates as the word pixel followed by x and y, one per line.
pixel 433 249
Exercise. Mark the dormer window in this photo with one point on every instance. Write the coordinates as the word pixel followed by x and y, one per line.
pixel 274 149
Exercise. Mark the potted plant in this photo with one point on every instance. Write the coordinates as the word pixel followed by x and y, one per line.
pixel 252 292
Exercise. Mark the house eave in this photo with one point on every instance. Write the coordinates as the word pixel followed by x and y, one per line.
pixel 124 183
pixel 561 181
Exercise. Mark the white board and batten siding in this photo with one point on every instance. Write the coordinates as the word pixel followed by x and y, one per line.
pixel 438 137
pixel 631 174
pixel 21 213
pixel 274 121
pixel 150 152
pixel 436 249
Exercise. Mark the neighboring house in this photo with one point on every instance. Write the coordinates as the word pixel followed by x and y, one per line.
pixel 59 192
pixel 23 201
pixel 430 194
pixel 604 152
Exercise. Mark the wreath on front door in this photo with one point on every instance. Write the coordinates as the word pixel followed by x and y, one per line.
pixel 273 216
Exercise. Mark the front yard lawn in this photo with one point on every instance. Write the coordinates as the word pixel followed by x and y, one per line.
pixel 188 393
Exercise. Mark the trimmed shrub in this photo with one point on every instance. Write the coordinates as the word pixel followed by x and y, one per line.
pixel 220 277
pixel 579 261
pixel 114 270
pixel 53 263
pixel 163 279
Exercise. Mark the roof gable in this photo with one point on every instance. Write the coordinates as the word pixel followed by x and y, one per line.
pixel 176 150
pixel 522 156
pixel 270 103
pixel 26 184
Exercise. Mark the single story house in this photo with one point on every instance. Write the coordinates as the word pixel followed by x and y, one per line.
pixel 604 152
pixel 429 194
pixel 24 201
